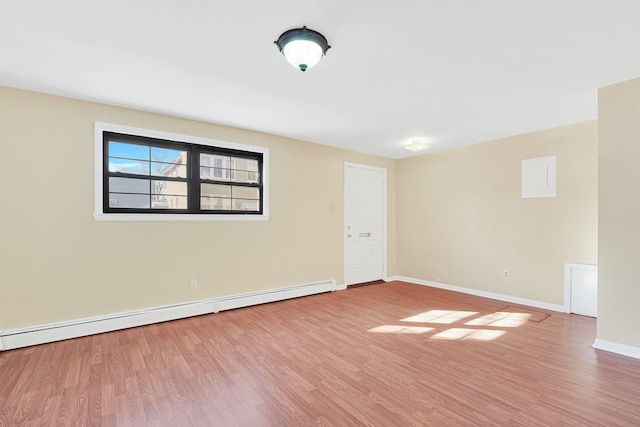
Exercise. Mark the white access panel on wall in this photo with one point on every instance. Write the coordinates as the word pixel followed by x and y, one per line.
pixel 539 177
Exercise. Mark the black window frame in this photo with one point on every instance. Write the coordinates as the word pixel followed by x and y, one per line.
pixel 193 180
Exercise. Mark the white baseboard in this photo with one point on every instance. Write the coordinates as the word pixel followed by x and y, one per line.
pixel 491 295
pixel 40 334
pixel 613 347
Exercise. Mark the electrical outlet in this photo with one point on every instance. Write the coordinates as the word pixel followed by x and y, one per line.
pixel 194 283
pixel 505 274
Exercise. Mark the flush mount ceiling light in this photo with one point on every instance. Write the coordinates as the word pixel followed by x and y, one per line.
pixel 416 145
pixel 302 47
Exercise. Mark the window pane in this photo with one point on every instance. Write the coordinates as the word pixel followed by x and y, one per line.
pixel 244 170
pixel 214 190
pixel 176 170
pixel 169 202
pixel 214 166
pixel 177 188
pixel 215 203
pixel 128 166
pixel 168 162
pixel 135 201
pixel 240 176
pixel 245 205
pixel 244 164
pixel 128 151
pixel 245 192
pixel 244 176
pixel 129 185
pixel 167 155
pixel 221 174
pixel 213 173
pixel 215 160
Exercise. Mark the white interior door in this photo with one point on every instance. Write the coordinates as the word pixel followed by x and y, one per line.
pixel 364 223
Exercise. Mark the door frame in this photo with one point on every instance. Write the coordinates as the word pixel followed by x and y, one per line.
pixel 384 217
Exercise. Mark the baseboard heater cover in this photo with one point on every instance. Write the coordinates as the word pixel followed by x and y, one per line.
pixel 40 334
pixel 273 295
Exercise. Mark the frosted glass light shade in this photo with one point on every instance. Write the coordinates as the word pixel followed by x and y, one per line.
pixel 302 54
pixel 416 146
pixel 302 47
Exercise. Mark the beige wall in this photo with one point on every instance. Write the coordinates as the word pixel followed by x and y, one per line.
pixel 462 222
pixel 58 263
pixel 619 210
pixel 458 214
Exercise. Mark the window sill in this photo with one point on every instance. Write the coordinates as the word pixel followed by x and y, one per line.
pixel 177 217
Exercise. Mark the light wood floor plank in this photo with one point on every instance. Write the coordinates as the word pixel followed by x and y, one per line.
pixel 391 354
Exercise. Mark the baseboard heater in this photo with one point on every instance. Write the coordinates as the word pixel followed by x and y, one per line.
pixel 40 334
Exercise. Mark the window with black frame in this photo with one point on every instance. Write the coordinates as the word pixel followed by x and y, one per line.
pixel 148 175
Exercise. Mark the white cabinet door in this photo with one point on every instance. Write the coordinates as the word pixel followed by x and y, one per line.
pixel 584 292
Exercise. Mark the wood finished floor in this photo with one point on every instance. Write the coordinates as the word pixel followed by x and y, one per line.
pixel 383 355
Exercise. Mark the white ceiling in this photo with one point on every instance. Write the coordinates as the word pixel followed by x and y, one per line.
pixel 455 72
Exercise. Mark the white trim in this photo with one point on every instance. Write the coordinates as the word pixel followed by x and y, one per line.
pixel 491 295
pixel 341 287
pixel 384 215
pixel 614 347
pixel 567 281
pixel 39 334
pixel 100 127
pixel 177 217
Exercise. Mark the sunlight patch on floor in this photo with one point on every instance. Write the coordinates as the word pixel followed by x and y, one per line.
pixel 468 334
pixel 400 329
pixel 440 316
pixel 501 320
pixel 478 328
